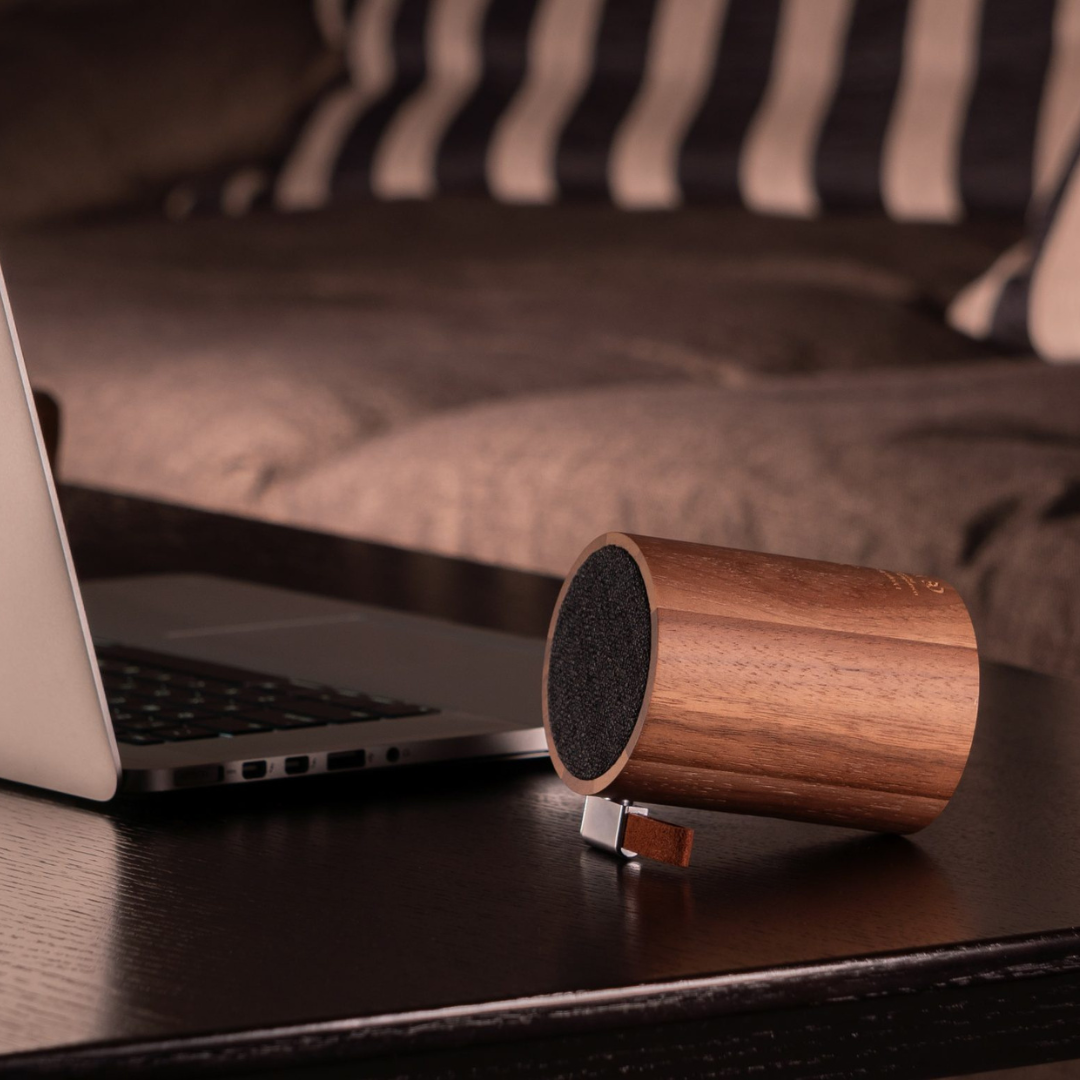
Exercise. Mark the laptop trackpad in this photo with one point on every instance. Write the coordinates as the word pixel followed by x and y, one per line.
pixel 339 643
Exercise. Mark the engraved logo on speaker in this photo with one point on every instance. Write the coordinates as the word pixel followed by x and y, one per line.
pixel 913 583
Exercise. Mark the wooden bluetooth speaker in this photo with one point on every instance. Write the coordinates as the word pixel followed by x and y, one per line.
pixel 729 680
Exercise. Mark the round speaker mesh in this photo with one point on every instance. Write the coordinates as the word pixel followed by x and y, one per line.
pixel 599 662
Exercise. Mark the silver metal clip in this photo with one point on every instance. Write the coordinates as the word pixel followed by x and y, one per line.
pixel 603 824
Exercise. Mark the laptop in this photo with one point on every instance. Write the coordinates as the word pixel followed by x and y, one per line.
pixel 194 681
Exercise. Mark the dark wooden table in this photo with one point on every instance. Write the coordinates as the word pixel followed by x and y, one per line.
pixel 448 922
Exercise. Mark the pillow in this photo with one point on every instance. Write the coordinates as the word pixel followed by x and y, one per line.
pixel 928 110
pixel 1030 298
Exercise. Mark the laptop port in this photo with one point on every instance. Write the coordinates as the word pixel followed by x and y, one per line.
pixel 253 770
pixel 393 754
pixel 346 759
pixel 295 766
pixel 197 775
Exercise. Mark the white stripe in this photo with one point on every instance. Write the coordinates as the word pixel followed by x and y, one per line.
pixel 644 168
pixel 330 18
pixel 1059 114
pixel 920 174
pixel 521 156
pixel 776 166
pixel 972 310
pixel 305 179
pixel 241 190
pixel 1054 303
pixel 405 162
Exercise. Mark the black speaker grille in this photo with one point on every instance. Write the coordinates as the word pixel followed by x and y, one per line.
pixel 599 662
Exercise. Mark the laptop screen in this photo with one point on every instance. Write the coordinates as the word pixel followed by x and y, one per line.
pixel 54 728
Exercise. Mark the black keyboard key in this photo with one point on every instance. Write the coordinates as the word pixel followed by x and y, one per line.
pixel 196 699
pixel 119 668
pixel 183 733
pixel 281 720
pixel 120 683
pixel 233 725
pixel 187 716
pixel 138 738
pixel 332 697
pixel 208 686
pixel 138 722
pixel 133 660
pixel 252 698
pixel 157 697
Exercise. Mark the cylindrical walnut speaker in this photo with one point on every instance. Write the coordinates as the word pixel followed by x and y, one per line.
pixel 730 680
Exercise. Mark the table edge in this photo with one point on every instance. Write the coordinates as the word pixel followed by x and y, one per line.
pixel 870 979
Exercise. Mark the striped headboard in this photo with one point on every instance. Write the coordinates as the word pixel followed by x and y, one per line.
pixel 927 110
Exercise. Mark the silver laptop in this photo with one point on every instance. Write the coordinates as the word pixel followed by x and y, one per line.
pixel 193 681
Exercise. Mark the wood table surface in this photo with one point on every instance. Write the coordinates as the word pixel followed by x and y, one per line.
pixel 448 922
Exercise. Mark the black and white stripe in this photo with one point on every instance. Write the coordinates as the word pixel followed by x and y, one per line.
pixel 927 109
pixel 1059 114
pixel 643 168
pixel 1029 298
pixel 461 159
pixel 1053 302
pixel 521 161
pixel 709 161
pixel 618 69
pixel 849 151
pixel 307 177
pixel 998 147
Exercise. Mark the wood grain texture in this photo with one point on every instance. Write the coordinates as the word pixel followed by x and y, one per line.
pixel 792 688
pixel 938 1013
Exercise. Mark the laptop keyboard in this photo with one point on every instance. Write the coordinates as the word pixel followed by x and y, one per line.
pixel 154 698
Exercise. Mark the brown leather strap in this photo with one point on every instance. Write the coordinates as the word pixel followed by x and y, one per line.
pixel 660 840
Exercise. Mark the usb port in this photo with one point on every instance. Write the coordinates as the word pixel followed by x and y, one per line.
pixel 346 759
pixel 253 770
pixel 294 766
